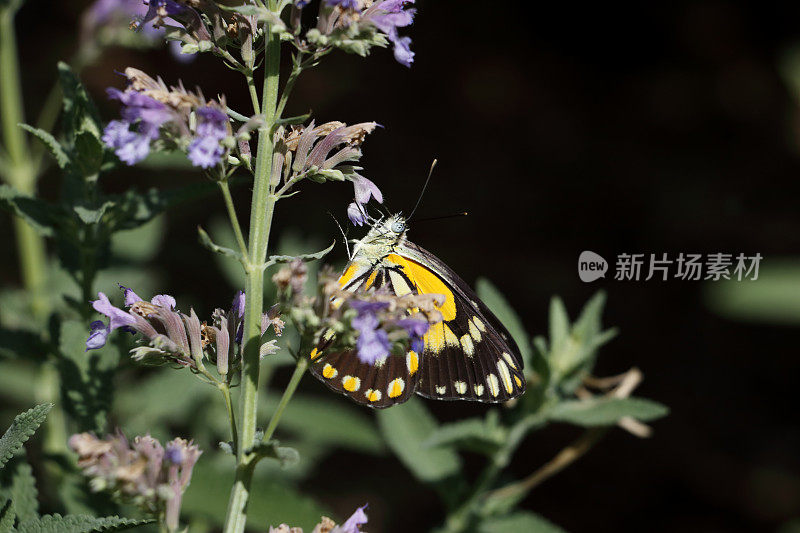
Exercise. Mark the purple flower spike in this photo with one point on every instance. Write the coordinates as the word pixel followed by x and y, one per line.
pixel 237 308
pixel 146 113
pixel 363 307
pixel 212 127
pixel 344 4
pixel 157 8
pixel 129 146
pixel 354 523
pixel 98 336
pixel 389 15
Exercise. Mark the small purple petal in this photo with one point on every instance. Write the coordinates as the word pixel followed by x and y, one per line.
pixel 130 296
pixel 415 327
pixel 98 336
pixel 356 520
pixel 174 453
pixel 205 152
pixel 366 189
pixel 362 307
pixel 344 4
pixel 402 51
pixel 164 300
pixel 119 318
pixel 237 307
pixel 356 214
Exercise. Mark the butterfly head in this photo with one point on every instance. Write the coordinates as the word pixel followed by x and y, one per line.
pixel 385 234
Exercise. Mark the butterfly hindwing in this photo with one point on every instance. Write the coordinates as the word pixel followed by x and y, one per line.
pixel 468 356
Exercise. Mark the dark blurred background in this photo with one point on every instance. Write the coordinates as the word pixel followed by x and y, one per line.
pixel 665 127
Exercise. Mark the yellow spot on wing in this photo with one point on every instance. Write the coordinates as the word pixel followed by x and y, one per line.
pixel 329 372
pixel 427 283
pixel 396 387
pixel 510 360
pixel 350 383
pixel 466 345
pixel 450 337
pixel 505 376
pixel 519 381
pixel 315 353
pixel 479 323
pixel 371 279
pixel 474 332
pixel 434 338
pixel 373 395
pixel 412 362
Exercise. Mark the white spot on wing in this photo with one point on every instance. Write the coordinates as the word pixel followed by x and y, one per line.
pixel 494 385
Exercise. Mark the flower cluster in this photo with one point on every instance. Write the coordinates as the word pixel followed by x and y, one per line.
pixel 376 323
pixel 326 525
pixel 179 118
pixel 357 25
pixel 169 336
pixel 319 153
pixel 142 473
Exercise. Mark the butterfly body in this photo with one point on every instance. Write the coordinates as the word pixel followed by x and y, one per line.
pixel 469 355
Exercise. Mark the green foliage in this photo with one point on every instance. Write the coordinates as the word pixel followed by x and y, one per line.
pixel 474 434
pixel 23 427
pixel 498 304
pixel 19 486
pixel 7 516
pixel 606 411
pixel 285 455
pixel 78 524
pixel 406 428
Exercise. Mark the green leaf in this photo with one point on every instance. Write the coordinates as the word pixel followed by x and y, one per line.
pixel 498 304
pixel 272 501
pixel 299 119
pixel 273 259
pixel 559 323
pixel 56 150
pixel 474 434
pixel 142 243
pixel 42 216
pixel 80 114
pixel 328 424
pixel 519 522
pixel 134 208
pixel 606 411
pixel 285 455
pixel 20 486
pixel 7 516
pixel 78 524
pixel 405 428
pixel 774 298
pixel 23 426
pixel 207 243
pixel 87 378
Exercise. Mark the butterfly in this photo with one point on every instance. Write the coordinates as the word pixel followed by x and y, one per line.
pixel 469 355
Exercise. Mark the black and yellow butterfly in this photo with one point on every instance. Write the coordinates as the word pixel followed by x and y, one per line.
pixel 468 356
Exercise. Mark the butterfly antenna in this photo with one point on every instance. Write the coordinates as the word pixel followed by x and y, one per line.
pixel 430 173
pixel 344 236
pixel 461 214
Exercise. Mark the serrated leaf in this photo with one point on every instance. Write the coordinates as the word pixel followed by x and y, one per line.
pixel 20 486
pixel 519 522
pixel 24 425
pixel 606 411
pixel 56 150
pixel 7 516
pixel 498 304
pixel 207 243
pixel 273 259
pixel 56 523
pixel 80 114
pixel 405 427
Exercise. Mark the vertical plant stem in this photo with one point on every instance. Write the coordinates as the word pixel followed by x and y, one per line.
pixel 226 394
pixel 237 230
pixel 261 211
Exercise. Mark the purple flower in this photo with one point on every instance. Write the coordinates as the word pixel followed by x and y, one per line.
pixel 174 453
pixel 119 318
pixel 212 127
pixel 237 307
pixel 164 300
pixel 344 4
pixel 415 328
pixel 354 523
pixel 356 214
pixel 389 15
pixel 130 296
pixel 366 189
pixel 158 9
pixel 363 307
pixel 146 113
pixel 372 343
pixel 98 336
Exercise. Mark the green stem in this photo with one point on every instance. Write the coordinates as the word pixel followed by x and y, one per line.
pixel 226 394
pixel 262 207
pixel 299 370
pixel 251 86
pixel 237 230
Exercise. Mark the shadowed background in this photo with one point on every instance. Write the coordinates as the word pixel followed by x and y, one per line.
pixel 665 128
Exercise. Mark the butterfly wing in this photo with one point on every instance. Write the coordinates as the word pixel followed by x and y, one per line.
pixel 468 356
pixel 381 385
